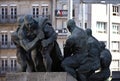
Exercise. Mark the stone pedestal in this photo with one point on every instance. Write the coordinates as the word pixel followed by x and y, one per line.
pixel 40 76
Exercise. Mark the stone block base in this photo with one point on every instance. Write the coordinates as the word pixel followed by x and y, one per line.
pixel 40 76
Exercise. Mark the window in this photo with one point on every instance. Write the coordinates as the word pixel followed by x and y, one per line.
pixel 13 64
pixel 4 64
pixel 115 28
pixel 115 65
pixel 11 43
pixel 85 25
pixel 115 10
pixel 101 27
pixel 64 29
pixel 4 12
pixel 35 11
pixel 4 39
pixel 64 24
pixel 13 12
pixel 44 9
pixel 115 46
pixel 73 11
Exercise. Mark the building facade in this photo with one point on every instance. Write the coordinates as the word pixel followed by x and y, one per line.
pixel 10 10
pixel 106 27
pixel 103 19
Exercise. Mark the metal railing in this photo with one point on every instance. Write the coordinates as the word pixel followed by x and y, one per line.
pixel 13 19
pixel 6 45
pixel 7 69
pixel 8 19
pixel 62 31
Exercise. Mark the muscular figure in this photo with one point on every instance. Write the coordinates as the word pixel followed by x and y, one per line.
pixel 75 50
pixel 93 52
pixel 23 57
pixel 38 38
pixel 105 59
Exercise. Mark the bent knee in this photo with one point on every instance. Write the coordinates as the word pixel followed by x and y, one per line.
pixel 65 64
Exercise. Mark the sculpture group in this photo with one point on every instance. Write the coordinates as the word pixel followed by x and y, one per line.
pixel 38 50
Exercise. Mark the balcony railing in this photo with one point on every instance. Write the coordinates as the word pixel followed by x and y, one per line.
pixel 7 45
pixel 63 13
pixel 7 69
pixel 8 19
pixel 62 32
pixel 13 19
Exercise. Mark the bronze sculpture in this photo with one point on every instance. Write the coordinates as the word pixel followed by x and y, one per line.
pixel 84 54
pixel 75 51
pixel 38 38
pixel 105 58
pixel 21 53
pixel 38 50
